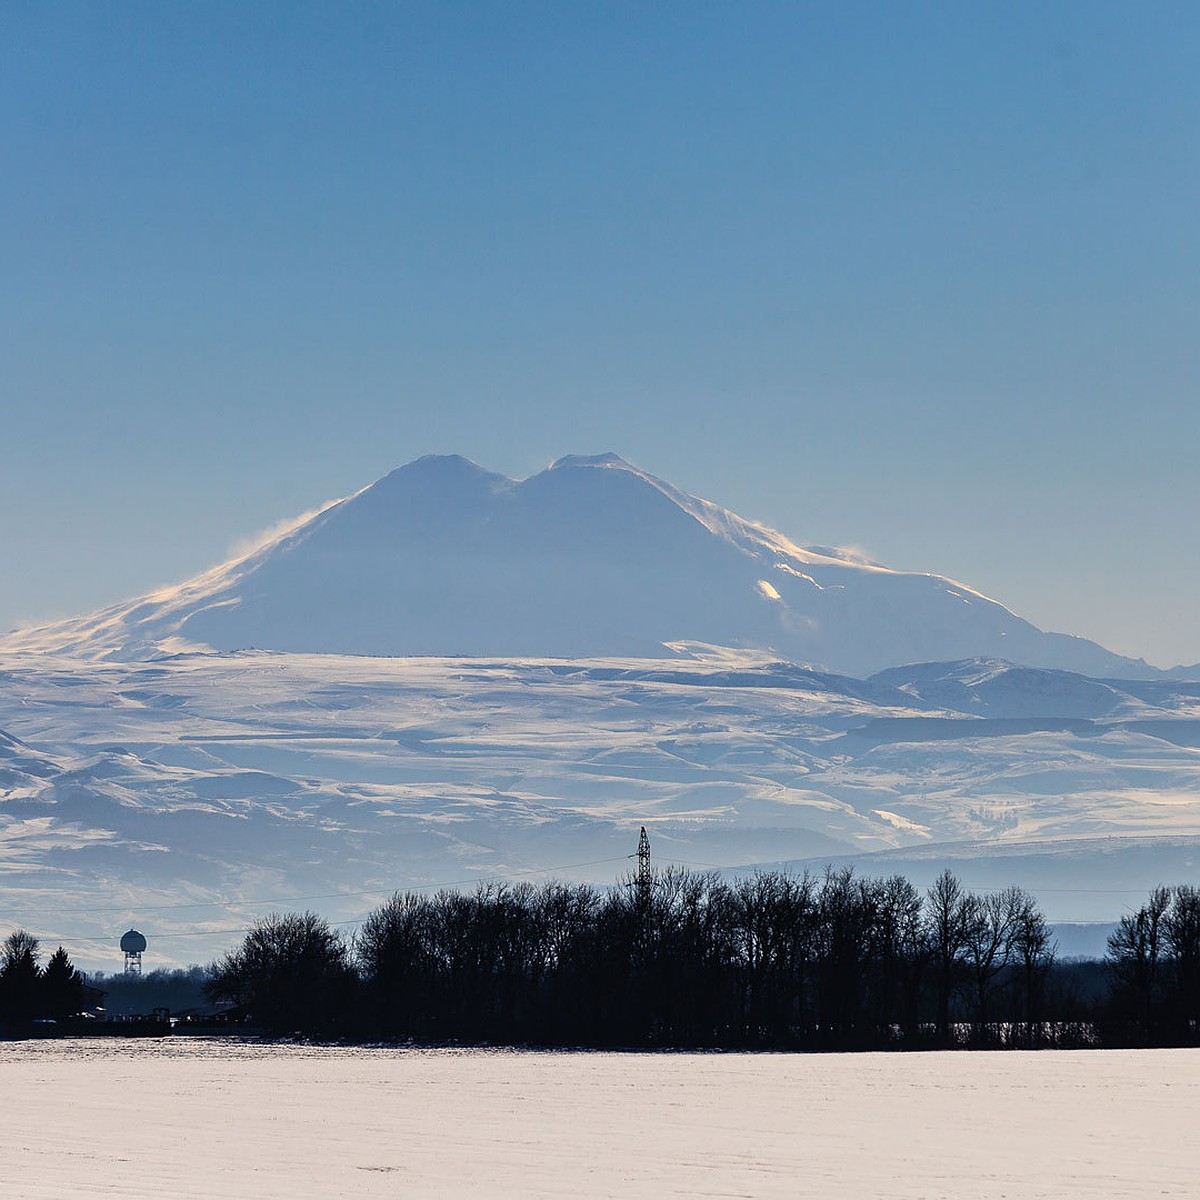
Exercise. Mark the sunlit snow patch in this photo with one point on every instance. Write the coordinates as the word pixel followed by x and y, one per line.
pixel 899 822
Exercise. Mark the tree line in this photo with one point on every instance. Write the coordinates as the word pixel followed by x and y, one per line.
pixel 57 992
pixel 30 992
pixel 771 960
pixel 176 989
pixel 1154 956
pixel 836 961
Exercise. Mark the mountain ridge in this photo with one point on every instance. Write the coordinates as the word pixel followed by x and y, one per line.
pixel 589 557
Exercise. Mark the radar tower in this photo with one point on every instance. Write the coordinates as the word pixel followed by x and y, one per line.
pixel 132 946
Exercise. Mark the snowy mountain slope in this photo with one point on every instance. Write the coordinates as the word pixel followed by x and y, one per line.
pixel 222 781
pixel 21 765
pixel 990 688
pixel 592 557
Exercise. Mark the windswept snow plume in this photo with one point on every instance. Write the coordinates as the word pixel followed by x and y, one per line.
pixel 276 531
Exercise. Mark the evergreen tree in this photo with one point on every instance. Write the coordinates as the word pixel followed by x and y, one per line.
pixel 19 977
pixel 61 988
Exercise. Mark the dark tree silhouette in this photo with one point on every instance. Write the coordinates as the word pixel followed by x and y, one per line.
pixel 687 959
pixel 949 913
pixel 19 976
pixel 292 974
pixel 988 945
pixel 1034 951
pixel 902 953
pixel 397 960
pixel 61 988
pixel 1134 954
pixel 1181 926
pixel 678 958
pixel 846 921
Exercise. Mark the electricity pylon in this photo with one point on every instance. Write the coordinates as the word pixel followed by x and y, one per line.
pixel 645 876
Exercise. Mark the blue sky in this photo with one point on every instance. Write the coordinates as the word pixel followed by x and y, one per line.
pixel 921 278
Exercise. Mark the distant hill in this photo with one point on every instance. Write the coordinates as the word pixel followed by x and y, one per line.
pixel 189 795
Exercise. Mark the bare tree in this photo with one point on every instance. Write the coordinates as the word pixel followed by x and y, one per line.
pixel 902 951
pixel 1181 927
pixel 291 972
pixel 848 913
pixel 991 925
pixel 394 954
pixel 948 914
pixel 773 924
pixel 1134 955
pixel 1034 950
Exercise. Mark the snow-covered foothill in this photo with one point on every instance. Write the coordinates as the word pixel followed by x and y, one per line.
pixel 223 782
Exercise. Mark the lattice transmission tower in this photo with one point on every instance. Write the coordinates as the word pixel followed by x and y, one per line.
pixel 644 879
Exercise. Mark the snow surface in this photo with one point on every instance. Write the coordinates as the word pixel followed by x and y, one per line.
pixel 202 1119
pixel 590 557
pixel 189 795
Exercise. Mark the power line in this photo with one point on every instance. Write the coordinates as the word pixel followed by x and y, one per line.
pixel 1133 891
pixel 229 903
pixel 387 891
pixel 379 891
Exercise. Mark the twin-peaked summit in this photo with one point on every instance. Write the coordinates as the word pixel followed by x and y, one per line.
pixel 591 557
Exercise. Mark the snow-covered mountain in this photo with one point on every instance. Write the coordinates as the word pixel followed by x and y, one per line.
pixel 590 557
pixel 452 674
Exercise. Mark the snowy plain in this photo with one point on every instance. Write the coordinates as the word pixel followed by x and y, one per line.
pixel 191 1118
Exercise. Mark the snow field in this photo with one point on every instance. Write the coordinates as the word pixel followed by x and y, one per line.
pixel 209 1119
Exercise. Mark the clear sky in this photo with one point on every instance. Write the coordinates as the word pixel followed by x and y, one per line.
pixel 921 278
